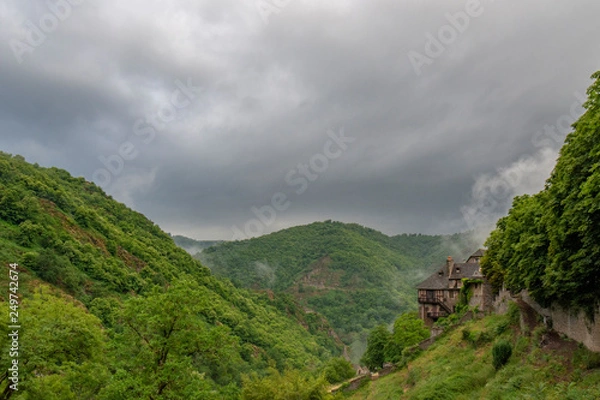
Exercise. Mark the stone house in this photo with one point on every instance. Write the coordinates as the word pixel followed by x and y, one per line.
pixel 440 293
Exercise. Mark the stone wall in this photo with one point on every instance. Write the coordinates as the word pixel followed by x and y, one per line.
pixel 574 324
pixel 482 297
pixel 501 301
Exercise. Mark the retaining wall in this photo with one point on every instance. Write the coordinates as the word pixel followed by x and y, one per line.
pixel 574 324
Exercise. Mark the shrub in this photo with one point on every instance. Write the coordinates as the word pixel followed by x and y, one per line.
pixel 483 337
pixel 476 339
pixel 338 370
pixel 466 335
pixel 501 353
pixel 522 345
pixel 410 353
pixel 513 313
pixel 413 376
pixel 586 358
pixel 502 327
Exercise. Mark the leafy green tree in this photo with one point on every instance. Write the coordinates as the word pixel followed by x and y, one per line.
pixel 409 330
pixel 292 384
pixel 377 343
pixel 17 206
pixel 573 218
pixel 548 242
pixel 338 369
pixel 61 350
pixel 168 349
pixel 29 233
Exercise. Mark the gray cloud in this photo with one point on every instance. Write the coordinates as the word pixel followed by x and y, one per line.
pixel 270 93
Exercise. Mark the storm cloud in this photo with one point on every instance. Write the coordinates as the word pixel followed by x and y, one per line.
pixel 200 113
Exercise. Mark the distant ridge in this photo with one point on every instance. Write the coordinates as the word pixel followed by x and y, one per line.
pixel 356 276
pixel 193 246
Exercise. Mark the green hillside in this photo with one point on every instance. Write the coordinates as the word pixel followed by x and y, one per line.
pixel 111 308
pixel 355 276
pixel 460 366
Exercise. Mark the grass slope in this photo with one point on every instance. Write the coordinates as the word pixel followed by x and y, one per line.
pixel 459 366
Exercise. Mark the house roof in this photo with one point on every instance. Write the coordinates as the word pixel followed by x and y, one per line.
pixel 467 270
pixel 437 280
pixel 453 271
pixel 478 253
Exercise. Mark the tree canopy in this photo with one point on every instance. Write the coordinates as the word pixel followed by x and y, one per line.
pixel 111 308
pixel 548 242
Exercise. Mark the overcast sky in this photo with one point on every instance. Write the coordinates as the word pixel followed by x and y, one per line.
pixel 405 116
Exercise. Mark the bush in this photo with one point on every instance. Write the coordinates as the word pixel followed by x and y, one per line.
pixel 513 313
pixel 522 345
pixel 466 335
pixel 378 340
pixel 502 327
pixel 476 339
pixel 410 353
pixel 501 353
pixel 483 338
pixel 586 358
pixel 338 370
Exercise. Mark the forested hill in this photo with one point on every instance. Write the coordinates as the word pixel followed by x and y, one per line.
pixel 357 277
pixel 549 242
pixel 111 308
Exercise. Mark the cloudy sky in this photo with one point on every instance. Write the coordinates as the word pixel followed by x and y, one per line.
pixel 221 118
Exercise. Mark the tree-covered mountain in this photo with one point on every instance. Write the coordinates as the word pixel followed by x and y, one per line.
pixel 357 277
pixel 549 243
pixel 111 308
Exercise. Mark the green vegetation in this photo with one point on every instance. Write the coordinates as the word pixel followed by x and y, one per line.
pixel 501 353
pixel 409 330
pixel 356 277
pixel 548 242
pixel 338 370
pixel 396 347
pixel 289 385
pixel 111 308
pixel 379 339
pixel 455 368
pixel 548 245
